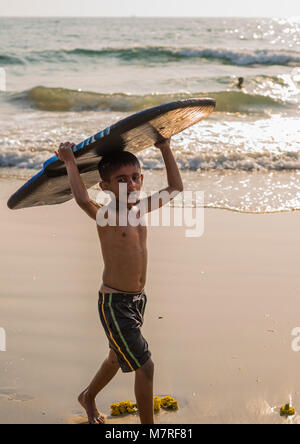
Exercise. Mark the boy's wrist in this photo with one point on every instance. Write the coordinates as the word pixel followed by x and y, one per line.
pixel 165 149
pixel 164 145
pixel 70 161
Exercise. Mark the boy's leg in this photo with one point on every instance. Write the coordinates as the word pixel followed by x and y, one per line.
pixel 144 392
pixel 87 398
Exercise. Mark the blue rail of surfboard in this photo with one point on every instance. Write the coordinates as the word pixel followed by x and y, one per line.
pixel 75 149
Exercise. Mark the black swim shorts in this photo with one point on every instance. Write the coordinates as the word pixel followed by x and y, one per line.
pixel 122 317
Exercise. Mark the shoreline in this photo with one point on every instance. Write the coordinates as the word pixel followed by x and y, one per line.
pixel 156 180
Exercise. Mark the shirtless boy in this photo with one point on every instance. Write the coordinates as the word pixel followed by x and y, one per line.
pixel 121 297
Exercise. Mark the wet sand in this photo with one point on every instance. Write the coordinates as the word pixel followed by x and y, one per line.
pixel 221 309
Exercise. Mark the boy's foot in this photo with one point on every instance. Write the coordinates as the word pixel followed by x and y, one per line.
pixel 89 405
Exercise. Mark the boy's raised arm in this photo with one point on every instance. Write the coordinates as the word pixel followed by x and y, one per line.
pixel 173 173
pixel 81 196
pixel 175 185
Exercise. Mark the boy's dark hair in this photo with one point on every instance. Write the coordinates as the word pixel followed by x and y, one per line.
pixel 113 161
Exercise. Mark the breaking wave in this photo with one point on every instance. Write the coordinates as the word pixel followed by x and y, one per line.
pixel 202 161
pixel 62 99
pixel 156 54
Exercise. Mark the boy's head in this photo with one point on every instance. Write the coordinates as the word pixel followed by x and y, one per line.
pixel 120 167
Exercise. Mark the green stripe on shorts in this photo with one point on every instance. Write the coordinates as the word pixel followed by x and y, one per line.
pixel 120 333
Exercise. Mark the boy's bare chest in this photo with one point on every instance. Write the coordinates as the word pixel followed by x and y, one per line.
pixel 124 234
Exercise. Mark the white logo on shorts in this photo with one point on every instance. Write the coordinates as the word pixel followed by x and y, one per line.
pixel 137 298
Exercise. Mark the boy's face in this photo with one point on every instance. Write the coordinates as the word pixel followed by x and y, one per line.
pixel 129 175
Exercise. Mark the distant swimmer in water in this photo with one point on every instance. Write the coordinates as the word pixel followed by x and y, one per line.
pixel 240 83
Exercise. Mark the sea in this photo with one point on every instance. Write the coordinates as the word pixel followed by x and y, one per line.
pixel 65 79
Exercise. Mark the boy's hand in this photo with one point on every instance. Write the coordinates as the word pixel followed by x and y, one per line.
pixel 65 151
pixel 164 144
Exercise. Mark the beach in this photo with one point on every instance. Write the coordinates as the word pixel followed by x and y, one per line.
pixel 221 309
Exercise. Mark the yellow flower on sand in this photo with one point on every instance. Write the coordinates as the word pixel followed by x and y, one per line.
pixel 166 402
pixel 287 410
pixel 115 409
pixel 123 407
pixel 156 403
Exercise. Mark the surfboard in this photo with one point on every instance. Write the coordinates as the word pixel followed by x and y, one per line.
pixel 134 133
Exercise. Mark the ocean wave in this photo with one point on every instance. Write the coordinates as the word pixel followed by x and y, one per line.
pixel 10 60
pixel 158 54
pixel 23 159
pixel 63 99
pixel 162 54
pixel 235 161
pixel 201 161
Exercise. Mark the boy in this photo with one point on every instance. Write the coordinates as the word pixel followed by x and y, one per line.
pixel 121 298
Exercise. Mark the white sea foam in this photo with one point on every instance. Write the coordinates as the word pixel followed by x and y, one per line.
pixel 242 58
pixel 256 145
pixel 158 54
